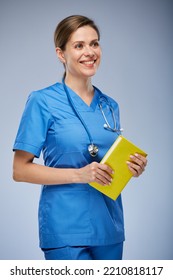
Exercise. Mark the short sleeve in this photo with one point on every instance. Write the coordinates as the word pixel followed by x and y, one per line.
pixel 34 125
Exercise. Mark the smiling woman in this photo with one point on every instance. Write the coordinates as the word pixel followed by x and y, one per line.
pixel 63 120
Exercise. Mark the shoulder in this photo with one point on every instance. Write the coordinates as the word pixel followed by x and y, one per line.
pixel 109 99
pixel 44 95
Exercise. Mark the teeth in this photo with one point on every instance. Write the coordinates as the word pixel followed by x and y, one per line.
pixel 88 62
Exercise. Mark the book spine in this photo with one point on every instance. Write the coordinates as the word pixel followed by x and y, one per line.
pixel 117 141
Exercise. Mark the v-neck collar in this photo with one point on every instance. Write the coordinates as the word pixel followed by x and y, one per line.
pixel 80 104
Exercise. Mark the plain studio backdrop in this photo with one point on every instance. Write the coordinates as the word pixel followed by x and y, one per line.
pixel 136 70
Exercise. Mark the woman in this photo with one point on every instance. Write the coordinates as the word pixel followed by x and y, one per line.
pixel 64 122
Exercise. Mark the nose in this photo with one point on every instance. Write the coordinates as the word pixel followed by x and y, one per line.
pixel 88 51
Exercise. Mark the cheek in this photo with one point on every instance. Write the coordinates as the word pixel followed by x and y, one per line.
pixel 71 59
pixel 99 53
pixel 99 56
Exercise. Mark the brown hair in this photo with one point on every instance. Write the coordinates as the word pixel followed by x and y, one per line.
pixel 69 25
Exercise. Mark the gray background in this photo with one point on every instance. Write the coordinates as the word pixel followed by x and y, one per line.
pixel 136 69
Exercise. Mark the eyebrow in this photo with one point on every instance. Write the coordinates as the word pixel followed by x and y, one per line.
pixel 94 40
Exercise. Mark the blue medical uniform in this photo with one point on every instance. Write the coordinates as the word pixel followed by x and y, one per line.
pixel 70 214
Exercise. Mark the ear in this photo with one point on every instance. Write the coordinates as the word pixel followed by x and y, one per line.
pixel 60 55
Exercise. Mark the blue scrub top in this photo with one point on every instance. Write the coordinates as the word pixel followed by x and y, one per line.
pixel 70 214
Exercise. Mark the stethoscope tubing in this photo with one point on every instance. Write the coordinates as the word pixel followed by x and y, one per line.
pixel 77 113
pixel 92 148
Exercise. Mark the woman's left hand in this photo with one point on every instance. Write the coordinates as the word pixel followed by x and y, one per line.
pixel 137 164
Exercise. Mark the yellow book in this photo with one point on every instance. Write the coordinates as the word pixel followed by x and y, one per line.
pixel 116 157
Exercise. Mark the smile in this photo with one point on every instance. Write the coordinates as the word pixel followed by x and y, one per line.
pixel 88 63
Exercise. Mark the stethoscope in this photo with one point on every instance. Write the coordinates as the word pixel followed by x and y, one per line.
pixel 92 148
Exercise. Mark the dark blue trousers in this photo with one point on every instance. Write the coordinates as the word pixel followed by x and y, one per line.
pixel 110 252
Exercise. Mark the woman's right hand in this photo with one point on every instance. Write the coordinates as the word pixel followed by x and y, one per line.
pixel 96 172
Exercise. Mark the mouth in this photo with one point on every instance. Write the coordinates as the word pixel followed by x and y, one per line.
pixel 88 62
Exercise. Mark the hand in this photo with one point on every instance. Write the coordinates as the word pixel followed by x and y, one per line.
pixel 96 172
pixel 137 164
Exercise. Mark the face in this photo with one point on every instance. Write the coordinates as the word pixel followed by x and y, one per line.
pixel 82 53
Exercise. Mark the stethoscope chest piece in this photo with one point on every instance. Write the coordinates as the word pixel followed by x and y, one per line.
pixel 93 150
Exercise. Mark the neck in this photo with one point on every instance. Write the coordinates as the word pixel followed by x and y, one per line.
pixel 83 87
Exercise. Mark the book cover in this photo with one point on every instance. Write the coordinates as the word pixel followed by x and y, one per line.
pixel 116 157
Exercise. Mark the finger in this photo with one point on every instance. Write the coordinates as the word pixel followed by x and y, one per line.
pixel 106 168
pixel 142 158
pixel 102 180
pixel 137 161
pixel 101 173
pixel 135 168
pixel 133 171
pixel 103 176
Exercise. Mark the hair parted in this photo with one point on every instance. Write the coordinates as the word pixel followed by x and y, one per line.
pixel 69 25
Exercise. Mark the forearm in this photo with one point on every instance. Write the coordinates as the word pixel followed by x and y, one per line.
pixel 44 175
pixel 25 170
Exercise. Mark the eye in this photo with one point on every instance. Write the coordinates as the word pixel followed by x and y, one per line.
pixel 79 46
pixel 95 44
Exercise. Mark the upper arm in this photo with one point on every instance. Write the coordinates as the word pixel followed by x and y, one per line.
pixel 34 125
pixel 22 157
pixel 20 161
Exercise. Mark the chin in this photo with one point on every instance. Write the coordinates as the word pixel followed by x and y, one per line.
pixel 89 73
